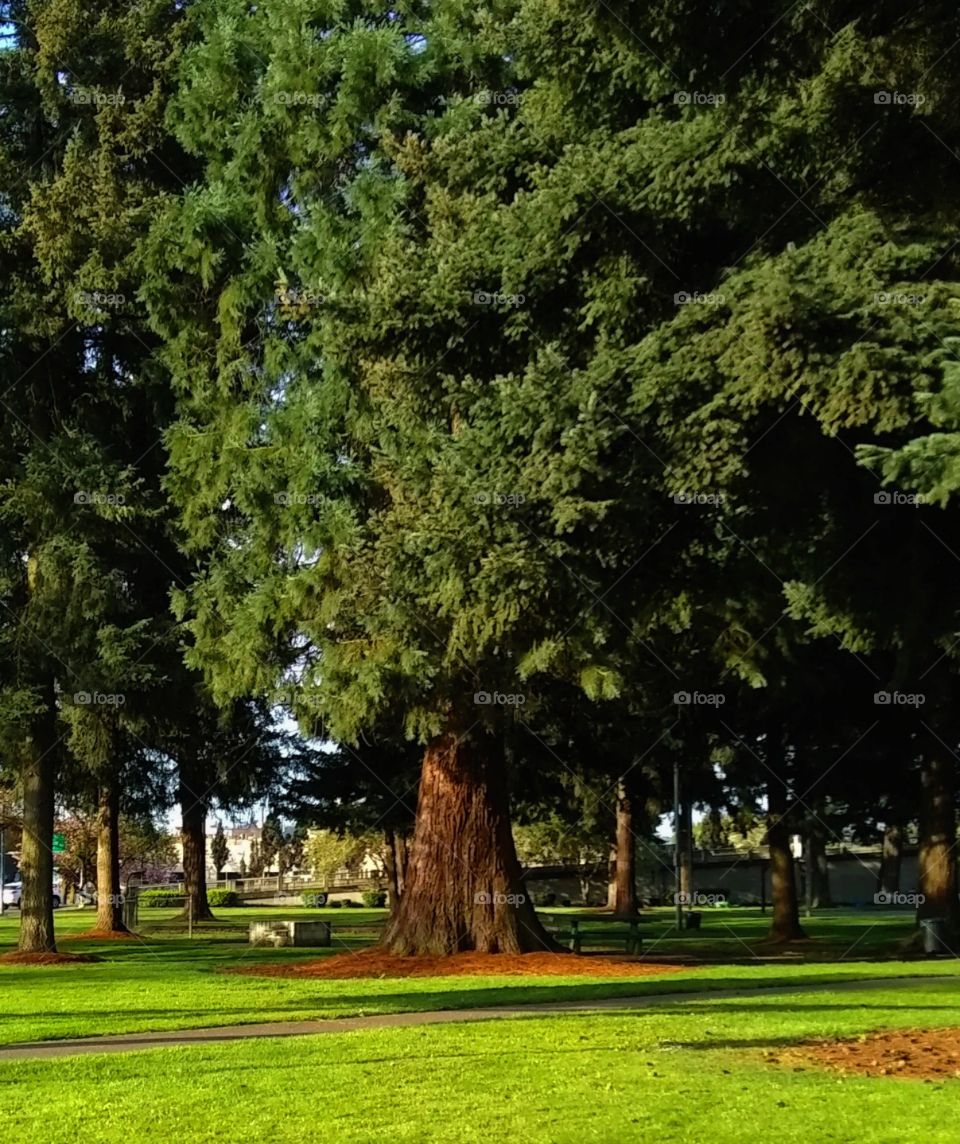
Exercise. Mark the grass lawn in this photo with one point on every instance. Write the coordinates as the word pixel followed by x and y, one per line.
pixel 689 1072
pixel 167 981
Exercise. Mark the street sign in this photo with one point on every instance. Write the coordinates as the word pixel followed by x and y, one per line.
pixel 59 843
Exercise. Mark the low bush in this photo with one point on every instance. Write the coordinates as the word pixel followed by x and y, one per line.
pixel 334 905
pixel 374 899
pixel 314 899
pixel 155 899
pixel 223 898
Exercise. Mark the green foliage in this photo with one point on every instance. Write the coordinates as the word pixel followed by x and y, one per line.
pixel 158 899
pixel 374 899
pixel 223 898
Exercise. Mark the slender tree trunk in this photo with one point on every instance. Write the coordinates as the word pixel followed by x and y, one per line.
pixel 891 858
pixel 686 852
pixel 463 888
pixel 402 851
pixel 390 865
pixel 783 879
pixel 612 878
pixel 109 899
pixel 817 870
pixel 36 856
pixel 625 883
pixel 193 835
pixel 937 856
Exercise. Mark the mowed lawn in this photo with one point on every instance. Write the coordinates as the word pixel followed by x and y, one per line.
pixel 167 981
pixel 691 1072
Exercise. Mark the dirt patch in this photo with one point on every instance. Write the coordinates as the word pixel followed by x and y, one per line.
pixel 925 1054
pixel 17 958
pixel 101 935
pixel 371 963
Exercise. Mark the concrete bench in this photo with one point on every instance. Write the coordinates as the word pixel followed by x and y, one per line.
pixel 279 934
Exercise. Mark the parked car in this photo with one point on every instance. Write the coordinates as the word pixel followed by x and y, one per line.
pixel 12 892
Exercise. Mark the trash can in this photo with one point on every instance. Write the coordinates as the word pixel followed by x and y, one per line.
pixel 934 931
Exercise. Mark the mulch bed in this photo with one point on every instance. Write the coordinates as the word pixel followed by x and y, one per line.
pixel 372 963
pixel 101 935
pixel 17 958
pixel 922 1054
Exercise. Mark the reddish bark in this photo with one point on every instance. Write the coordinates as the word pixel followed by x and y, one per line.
pixel 625 874
pixel 463 888
pixel 937 855
pixel 109 898
pixel 36 856
pixel 193 835
pixel 783 879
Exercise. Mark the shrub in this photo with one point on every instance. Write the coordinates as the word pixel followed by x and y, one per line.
pixel 314 899
pixel 351 904
pixel 154 899
pixel 223 898
pixel 334 905
pixel 374 899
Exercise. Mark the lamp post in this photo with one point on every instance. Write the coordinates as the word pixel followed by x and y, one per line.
pixel 678 904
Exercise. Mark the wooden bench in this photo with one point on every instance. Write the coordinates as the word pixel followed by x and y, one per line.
pixel 573 928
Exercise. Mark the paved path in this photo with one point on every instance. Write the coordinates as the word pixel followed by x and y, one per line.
pixel 172 1038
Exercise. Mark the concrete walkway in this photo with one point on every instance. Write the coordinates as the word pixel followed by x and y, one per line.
pixel 173 1038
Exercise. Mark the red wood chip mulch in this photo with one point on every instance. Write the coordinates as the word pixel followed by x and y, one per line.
pixel 17 958
pixel 927 1054
pixel 101 935
pixel 371 963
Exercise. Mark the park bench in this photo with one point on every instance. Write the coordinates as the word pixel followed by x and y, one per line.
pixel 573 928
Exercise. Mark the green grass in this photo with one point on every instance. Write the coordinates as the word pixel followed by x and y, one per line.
pixel 170 982
pixel 689 1072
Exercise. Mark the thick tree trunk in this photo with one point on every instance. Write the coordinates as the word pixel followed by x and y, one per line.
pixel 891 858
pixel 817 870
pixel 109 896
pixel 625 877
pixel 36 855
pixel 463 889
pixel 193 835
pixel 937 855
pixel 783 880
